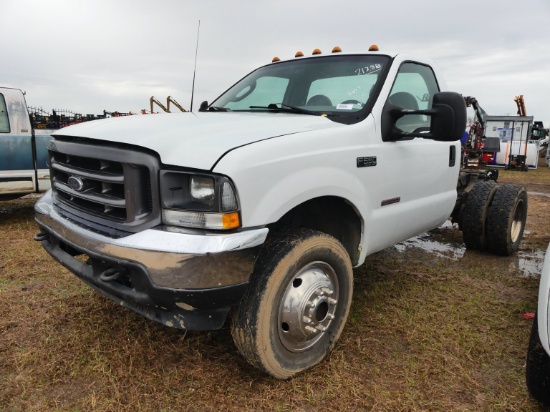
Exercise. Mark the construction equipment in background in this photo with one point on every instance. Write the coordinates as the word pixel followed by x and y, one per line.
pixel 513 142
pixel 478 150
pixel 166 108
pixel 170 99
pixel 518 161
pixel 520 103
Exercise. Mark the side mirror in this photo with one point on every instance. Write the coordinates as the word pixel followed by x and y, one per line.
pixel 447 119
pixel 203 107
pixel 448 122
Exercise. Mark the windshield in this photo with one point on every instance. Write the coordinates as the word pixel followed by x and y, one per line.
pixel 335 85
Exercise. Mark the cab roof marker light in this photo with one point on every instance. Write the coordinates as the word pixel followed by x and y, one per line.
pixel 337 49
pixel 299 54
pixel 316 51
pixel 374 47
pixel 275 60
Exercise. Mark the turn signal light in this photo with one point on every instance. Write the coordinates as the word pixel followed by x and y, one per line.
pixel 230 220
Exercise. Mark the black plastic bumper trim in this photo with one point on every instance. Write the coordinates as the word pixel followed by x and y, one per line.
pixel 190 309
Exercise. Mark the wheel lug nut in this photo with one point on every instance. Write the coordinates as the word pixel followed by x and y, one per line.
pixel 310 329
pixel 306 319
pixel 332 301
pixel 327 291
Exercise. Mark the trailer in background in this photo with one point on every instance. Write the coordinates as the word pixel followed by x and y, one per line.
pixel 517 149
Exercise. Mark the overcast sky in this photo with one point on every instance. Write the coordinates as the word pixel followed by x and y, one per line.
pixel 95 55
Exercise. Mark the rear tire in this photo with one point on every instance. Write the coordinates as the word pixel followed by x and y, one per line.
pixel 474 217
pixel 296 305
pixel 537 372
pixel 506 219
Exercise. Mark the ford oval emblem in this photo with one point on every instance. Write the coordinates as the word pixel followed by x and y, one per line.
pixel 76 183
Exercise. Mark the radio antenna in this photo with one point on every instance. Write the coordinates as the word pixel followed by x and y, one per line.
pixel 195 70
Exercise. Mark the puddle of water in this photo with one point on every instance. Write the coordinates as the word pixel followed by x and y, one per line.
pixel 528 262
pixel 427 243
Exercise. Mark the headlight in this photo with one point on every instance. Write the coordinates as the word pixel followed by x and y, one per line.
pixel 202 190
pixel 199 201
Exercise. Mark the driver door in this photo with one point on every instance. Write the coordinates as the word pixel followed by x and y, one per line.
pixel 419 184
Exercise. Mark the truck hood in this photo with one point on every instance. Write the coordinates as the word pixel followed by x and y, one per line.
pixel 196 140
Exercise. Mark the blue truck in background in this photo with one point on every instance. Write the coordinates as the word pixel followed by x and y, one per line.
pixel 23 149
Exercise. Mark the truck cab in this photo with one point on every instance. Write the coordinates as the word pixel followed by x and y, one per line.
pixel 23 151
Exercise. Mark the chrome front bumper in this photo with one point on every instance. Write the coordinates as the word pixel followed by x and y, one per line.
pixel 183 280
pixel 173 260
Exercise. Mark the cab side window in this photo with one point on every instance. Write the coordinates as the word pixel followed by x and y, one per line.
pixel 414 88
pixel 4 121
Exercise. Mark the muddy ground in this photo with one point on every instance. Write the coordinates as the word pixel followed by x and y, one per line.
pixel 432 327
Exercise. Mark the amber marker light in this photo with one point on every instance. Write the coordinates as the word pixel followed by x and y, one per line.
pixel 231 220
pixel 299 54
pixel 337 50
pixel 374 47
pixel 275 59
pixel 316 51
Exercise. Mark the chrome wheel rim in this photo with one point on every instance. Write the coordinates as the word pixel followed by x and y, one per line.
pixel 517 222
pixel 308 307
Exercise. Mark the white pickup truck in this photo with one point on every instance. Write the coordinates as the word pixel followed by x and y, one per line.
pixel 261 203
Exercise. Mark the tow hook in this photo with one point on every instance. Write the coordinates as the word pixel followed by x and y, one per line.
pixel 39 237
pixel 111 274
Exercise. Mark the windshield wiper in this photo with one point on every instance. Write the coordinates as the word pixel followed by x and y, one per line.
pixel 282 107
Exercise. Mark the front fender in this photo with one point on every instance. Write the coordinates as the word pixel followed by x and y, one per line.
pixel 296 188
pixel 274 176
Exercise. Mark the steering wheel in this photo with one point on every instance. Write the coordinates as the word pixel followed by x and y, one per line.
pixel 353 102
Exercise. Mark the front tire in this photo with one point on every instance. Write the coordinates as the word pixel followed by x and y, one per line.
pixel 297 303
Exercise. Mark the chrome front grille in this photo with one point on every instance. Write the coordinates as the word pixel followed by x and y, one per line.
pixel 110 186
pixel 90 184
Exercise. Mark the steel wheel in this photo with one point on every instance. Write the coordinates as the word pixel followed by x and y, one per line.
pixel 297 303
pixel 518 221
pixel 308 306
